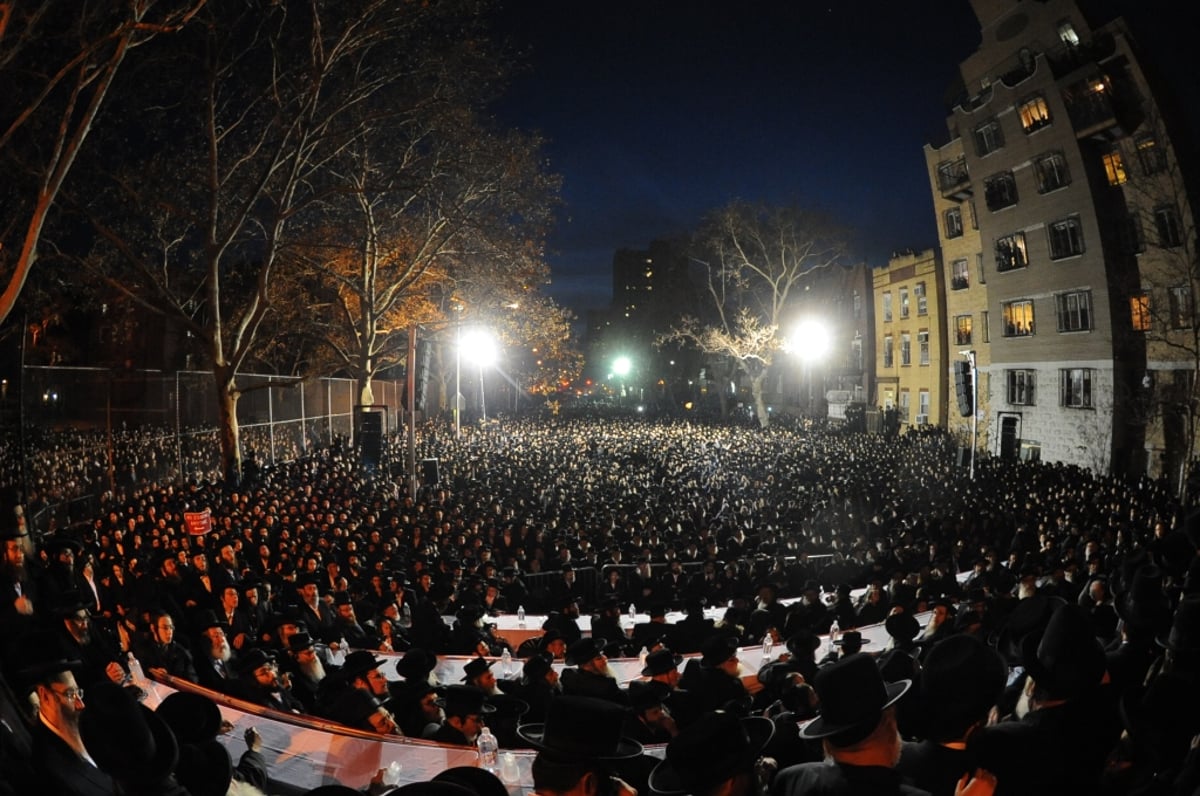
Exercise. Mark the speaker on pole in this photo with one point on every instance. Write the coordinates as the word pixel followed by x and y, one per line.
pixel 430 472
pixel 963 388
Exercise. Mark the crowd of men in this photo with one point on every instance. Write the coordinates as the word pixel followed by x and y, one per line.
pixel 1066 660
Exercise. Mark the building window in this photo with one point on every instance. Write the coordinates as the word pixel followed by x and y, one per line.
pixel 887 307
pixel 953 221
pixel 1181 307
pixel 974 216
pixel 888 354
pixel 962 329
pixel 1018 318
pixel 988 137
pixel 952 173
pixel 1166 221
pixel 1139 312
pixel 905 349
pixel 979 268
pixel 985 322
pixel 903 302
pixel 923 404
pixel 1011 252
pixel 1114 168
pixel 1051 172
pixel 1066 238
pixel 856 353
pixel 922 300
pixel 1130 237
pixel 923 347
pixel 1034 113
pixel 1075 387
pixel 904 405
pixel 1021 386
pixel 1000 191
pixel 1150 154
pixel 960 275
pixel 1074 311
pixel 858 303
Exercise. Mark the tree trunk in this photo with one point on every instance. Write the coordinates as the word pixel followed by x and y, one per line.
pixel 227 400
pixel 760 406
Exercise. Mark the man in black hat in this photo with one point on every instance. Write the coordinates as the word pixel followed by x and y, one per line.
pixel 565 621
pixel 259 682
pixel 17 585
pixel 591 676
pixel 715 680
pixel 858 727
pixel 304 670
pixel 60 759
pixel 161 654
pixel 580 748
pixel 100 660
pixel 689 635
pixel 214 655
pixel 416 708
pixel 716 755
pixel 649 722
pixel 60 574
pixel 654 632
pixel 538 685
pixel 465 708
pixel 346 625
pixel 606 623
pixel 477 673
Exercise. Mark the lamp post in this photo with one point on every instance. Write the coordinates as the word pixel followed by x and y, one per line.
pixel 970 355
pixel 480 347
pixel 811 342
pixel 622 365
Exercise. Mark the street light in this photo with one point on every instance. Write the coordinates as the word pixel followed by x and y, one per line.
pixel 622 365
pixel 811 341
pixel 480 347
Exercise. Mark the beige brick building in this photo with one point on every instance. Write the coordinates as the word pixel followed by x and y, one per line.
pixel 910 338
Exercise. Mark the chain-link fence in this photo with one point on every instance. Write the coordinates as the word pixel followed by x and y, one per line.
pixel 87 431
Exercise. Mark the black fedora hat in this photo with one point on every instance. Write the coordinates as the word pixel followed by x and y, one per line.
pixel 716 650
pixel 463 700
pixel 127 741
pixel 709 751
pixel 205 619
pixel 205 769
pixel 803 643
pixel 536 667
pixel 479 781
pixel 645 694
pixel 359 663
pixel 661 661
pixel 194 718
pixel 247 663
pixel 584 650
pixel 903 627
pixel 1029 616
pixel 1185 626
pixel 961 679
pixel 581 728
pixel 1144 605
pixel 475 667
pixel 1067 659
pixel 416 664
pixel 853 696
pixel 300 641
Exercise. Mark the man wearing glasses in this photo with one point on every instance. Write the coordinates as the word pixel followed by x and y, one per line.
pixel 465 708
pixel 99 659
pixel 60 760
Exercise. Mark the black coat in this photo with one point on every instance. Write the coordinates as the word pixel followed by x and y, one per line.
pixel 576 682
pixel 836 779
pixel 60 770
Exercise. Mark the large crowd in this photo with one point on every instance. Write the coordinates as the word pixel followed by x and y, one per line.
pixel 1061 655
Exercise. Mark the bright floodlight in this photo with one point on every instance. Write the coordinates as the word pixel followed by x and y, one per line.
pixel 479 347
pixel 622 366
pixel 811 340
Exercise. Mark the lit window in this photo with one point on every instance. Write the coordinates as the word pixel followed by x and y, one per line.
pixel 887 307
pixel 1114 168
pixel 1166 221
pixel 1075 387
pixel 1034 113
pixel 960 275
pixel 903 302
pixel 954 225
pixel 1139 312
pixel 1067 34
pixel 988 137
pixel 923 347
pixel 905 348
pixel 1051 172
pixel 1011 252
pixel 923 404
pixel 1021 386
pixel 1066 238
pixel 962 329
pixel 1074 311
pixel 1018 318
pixel 922 300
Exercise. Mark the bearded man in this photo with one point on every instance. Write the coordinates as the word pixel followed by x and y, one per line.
pixel 591 676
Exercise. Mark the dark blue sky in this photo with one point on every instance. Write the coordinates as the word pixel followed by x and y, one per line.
pixel 657 112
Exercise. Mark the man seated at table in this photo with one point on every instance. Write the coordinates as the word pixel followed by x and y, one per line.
pixel 465 708
pixel 591 676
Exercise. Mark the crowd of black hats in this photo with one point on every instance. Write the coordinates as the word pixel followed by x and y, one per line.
pixel 687 515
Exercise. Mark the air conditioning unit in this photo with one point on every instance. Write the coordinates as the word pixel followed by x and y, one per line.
pixel 922 420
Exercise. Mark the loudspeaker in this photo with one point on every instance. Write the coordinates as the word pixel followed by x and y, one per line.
pixel 372 449
pixel 370 423
pixel 431 472
pixel 963 388
pixel 424 355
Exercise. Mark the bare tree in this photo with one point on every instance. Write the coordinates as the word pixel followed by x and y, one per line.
pixel 756 258
pixel 58 60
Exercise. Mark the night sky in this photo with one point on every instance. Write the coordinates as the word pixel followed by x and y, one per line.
pixel 657 112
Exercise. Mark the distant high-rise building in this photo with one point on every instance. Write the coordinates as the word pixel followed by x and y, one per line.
pixel 1068 244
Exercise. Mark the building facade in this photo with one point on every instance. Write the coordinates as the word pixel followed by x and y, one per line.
pixel 910 338
pixel 1062 218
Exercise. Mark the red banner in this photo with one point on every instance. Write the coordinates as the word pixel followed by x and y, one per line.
pixel 198 522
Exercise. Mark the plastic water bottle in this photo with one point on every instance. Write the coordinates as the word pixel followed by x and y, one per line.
pixel 834 631
pixel 391 774
pixel 137 676
pixel 489 750
pixel 343 648
pixel 520 616
pixel 642 657
pixel 632 612
pixel 509 772
pixel 506 662
pixel 767 644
